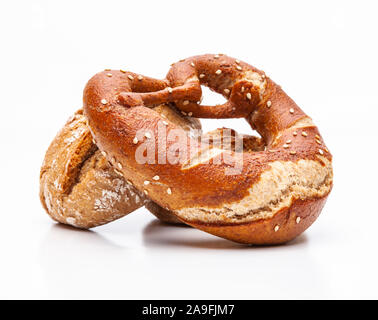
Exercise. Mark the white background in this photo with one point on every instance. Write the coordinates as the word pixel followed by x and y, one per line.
pixel 323 53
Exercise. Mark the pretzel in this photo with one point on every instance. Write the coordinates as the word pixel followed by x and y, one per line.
pixel 277 193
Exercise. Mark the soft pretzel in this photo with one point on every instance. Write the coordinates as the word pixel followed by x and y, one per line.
pixel 79 187
pixel 276 194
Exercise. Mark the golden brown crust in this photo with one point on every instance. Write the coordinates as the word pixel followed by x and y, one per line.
pixel 284 226
pixel 205 191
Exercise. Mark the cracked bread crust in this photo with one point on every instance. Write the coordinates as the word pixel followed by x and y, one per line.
pixel 79 187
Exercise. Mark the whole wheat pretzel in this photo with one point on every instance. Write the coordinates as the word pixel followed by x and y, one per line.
pixel 277 193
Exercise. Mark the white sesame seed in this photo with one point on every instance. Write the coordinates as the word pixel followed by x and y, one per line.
pixel 317 136
pixel 140 78
pixel 202 76
pixel 269 103
pixel 147 135
pixel 298 219
pixel 293 152
pixel 123 71
pixel 226 91
pixel 276 228
pixel 145 192
pixel 165 122
pixel 216 56
pixel 190 114
pixel 118 172
pixel 109 74
pixel 286 146
pixel 318 142
pixel 272 151
pixel 104 153
pixel 321 151
pixel 295 133
pixel 104 101
pixel 129 182
pixel 192 64
pixel 288 141
pixel 169 89
pixel 239 68
pixel 156 178
pixel 146 183
pixel 218 72
pixel 169 191
pixel 291 110
pixel 249 96
pixel 242 89
pixel 186 102
pixel 130 77
pixel 135 140
pixel 237 61
pixel 119 166
pixel 304 133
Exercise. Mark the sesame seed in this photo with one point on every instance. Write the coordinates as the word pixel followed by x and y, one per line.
pixel 145 192
pixel 186 102
pixel 169 191
pixel 304 133
pixel 216 56
pixel 242 89
pixel 291 110
pixel 321 151
pixel 295 133
pixel 169 89
pixel 298 219
pixel 272 151
pixel 249 96
pixel 269 103
pixel 288 141
pixel 293 152
pixel 239 68
pixel 146 183
pixel 123 71
pixel 202 76
pixel 93 141
pixel 129 182
pixel 135 140
pixel 318 142
pixel 104 101
pixel 156 178
pixel 130 77
pixel 147 135
pixel 218 72
pixel 317 136
pixel 326 150
pixel 226 91
pixel 286 146
pixel 165 122
pixel 190 114
pixel 192 64
pixel 109 74
pixel 104 153
pixel 237 61
pixel 119 166
pixel 276 228
pixel 118 172
pixel 140 78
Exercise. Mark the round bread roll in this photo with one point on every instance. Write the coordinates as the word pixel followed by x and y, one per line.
pixel 79 187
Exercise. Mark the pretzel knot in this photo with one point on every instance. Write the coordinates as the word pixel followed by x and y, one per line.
pixel 275 193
